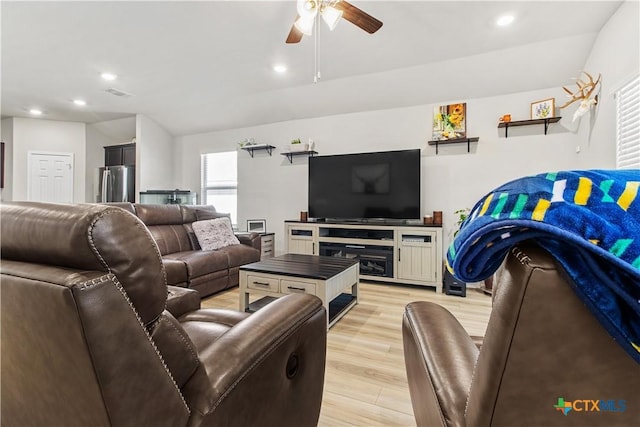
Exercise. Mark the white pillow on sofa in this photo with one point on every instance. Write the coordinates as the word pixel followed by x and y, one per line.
pixel 214 234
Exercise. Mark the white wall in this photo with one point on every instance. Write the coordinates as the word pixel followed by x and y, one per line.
pixel 48 136
pixel 155 153
pixel 270 188
pixel 6 129
pixel 616 55
pixel 155 162
pixel 273 189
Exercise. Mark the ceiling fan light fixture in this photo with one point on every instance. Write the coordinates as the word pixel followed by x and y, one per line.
pixel 331 16
pixel 307 8
pixel 305 25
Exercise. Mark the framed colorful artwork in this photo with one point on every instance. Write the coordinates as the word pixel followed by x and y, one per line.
pixel 543 109
pixel 450 121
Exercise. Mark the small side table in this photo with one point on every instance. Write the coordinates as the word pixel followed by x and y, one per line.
pixel 267 245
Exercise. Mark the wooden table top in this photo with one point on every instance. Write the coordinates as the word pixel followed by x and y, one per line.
pixel 298 265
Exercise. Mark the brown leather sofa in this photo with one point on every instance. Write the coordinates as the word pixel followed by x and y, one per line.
pixel 185 263
pixel 86 339
pixel 541 345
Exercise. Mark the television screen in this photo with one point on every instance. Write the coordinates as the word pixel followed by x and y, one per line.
pixel 384 185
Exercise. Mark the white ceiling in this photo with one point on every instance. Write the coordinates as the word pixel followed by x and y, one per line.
pixel 207 65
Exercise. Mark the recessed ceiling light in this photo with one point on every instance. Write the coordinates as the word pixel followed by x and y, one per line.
pixel 79 102
pixel 279 68
pixel 505 20
pixel 108 76
pixel 35 112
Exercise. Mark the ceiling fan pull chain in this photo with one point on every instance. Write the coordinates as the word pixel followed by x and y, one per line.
pixel 316 75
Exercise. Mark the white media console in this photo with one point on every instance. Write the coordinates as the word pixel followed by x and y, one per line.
pixel 395 253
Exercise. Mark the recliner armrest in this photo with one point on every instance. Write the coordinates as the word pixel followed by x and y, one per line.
pixel 274 359
pixel 251 239
pixel 182 300
pixel 440 358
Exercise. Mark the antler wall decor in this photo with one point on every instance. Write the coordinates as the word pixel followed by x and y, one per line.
pixel 583 94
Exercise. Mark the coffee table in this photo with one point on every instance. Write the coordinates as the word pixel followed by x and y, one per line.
pixel 326 277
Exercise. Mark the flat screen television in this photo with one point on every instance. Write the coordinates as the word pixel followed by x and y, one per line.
pixel 382 185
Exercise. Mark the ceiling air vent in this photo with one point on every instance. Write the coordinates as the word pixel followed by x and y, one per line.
pixel 118 92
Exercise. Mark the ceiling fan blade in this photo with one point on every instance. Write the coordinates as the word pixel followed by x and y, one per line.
pixel 358 17
pixel 295 35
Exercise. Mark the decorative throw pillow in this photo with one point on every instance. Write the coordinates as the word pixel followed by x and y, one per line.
pixel 214 234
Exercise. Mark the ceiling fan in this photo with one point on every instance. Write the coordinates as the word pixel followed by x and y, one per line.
pixel 331 12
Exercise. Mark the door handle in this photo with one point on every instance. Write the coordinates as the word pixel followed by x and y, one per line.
pixel 105 178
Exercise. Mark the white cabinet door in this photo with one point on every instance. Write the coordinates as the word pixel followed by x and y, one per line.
pixel 416 256
pixel 302 240
pixel 50 177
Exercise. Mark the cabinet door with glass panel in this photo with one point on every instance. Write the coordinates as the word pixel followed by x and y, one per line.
pixel 301 239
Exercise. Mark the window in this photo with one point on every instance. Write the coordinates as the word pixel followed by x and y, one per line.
pixel 220 182
pixel 628 125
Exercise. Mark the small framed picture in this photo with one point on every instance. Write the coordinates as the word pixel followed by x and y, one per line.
pixel 543 109
pixel 256 225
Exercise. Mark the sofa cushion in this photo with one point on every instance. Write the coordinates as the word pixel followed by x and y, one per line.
pixel 200 263
pixel 214 234
pixel 170 238
pixel 159 214
pixel 204 214
pixel 240 254
pixel 189 212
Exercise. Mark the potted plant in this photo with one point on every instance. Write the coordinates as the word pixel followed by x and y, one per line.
pixel 462 216
pixel 247 142
pixel 297 145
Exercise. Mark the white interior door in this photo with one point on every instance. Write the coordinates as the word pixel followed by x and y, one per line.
pixel 50 177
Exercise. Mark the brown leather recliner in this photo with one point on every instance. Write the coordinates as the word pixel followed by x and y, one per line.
pixel 86 339
pixel 541 345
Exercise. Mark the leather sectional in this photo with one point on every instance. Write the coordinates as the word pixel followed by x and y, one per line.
pixel 87 341
pixel 185 264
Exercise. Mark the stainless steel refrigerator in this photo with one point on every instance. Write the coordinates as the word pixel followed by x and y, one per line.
pixel 116 184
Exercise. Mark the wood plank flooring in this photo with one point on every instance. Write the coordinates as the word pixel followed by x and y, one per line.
pixel 365 379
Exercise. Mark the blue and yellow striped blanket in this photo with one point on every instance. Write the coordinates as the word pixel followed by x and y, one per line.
pixel 588 220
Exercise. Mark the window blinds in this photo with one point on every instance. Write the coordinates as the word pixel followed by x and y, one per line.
pixel 628 125
pixel 219 178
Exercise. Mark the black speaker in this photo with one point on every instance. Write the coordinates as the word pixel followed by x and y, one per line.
pixel 453 286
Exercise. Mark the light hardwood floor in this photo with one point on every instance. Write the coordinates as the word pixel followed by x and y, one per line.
pixel 365 379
